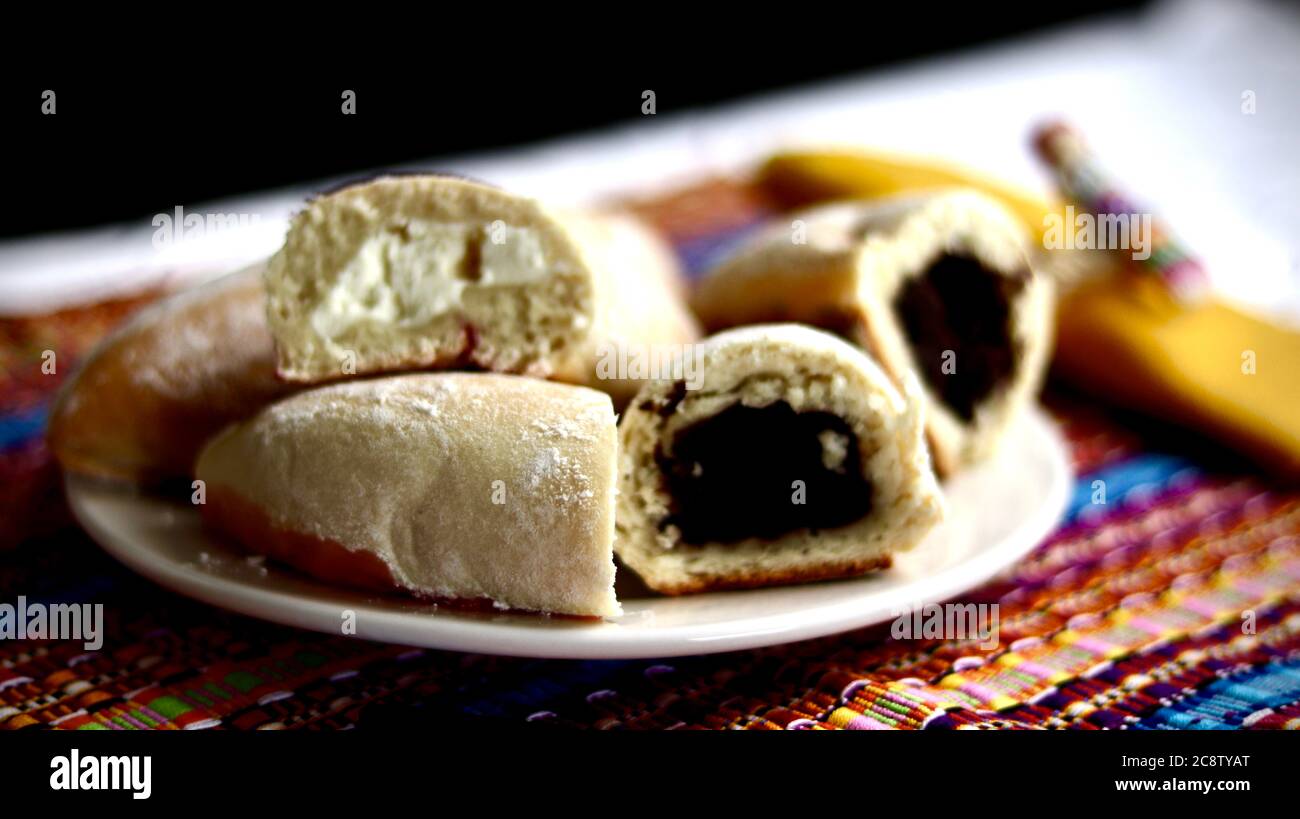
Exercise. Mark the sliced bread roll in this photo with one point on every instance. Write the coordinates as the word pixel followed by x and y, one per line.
pixel 937 284
pixel 471 488
pixel 793 458
pixel 436 272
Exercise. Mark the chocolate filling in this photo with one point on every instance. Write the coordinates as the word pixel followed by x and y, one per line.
pixel 960 305
pixel 732 476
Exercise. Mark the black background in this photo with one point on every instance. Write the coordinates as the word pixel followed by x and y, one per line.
pixel 136 135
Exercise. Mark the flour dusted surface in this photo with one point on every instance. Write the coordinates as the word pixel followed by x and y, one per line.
pixel 465 485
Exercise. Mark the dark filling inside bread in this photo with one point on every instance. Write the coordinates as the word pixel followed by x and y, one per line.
pixel 959 306
pixel 733 476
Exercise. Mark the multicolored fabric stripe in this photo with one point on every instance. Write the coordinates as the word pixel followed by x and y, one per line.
pixel 1170 599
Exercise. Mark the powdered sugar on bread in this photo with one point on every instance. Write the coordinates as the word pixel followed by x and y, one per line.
pixel 447 479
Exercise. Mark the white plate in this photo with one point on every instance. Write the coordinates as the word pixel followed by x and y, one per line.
pixel 997 513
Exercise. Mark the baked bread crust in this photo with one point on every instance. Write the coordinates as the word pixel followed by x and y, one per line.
pixel 845 276
pixel 640 302
pixel 812 371
pixel 465 486
pixel 151 393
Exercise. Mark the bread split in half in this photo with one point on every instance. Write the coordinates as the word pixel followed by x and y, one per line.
pixel 472 488
pixel 436 272
pixel 793 458
pixel 938 285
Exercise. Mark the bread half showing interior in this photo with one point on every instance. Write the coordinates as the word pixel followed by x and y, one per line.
pixel 151 393
pixel 939 285
pixel 426 272
pixel 462 487
pixel 795 458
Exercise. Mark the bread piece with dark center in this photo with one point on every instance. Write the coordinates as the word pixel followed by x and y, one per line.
pixel 794 458
pixel 938 285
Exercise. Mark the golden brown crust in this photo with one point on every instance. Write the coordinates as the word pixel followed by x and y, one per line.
pixel 252 530
pixel 247 527
pixel 791 290
pixel 148 398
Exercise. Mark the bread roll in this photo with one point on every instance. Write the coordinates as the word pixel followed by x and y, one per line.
pixel 795 458
pixel 436 272
pixel 640 314
pixel 937 284
pixel 463 487
pixel 152 392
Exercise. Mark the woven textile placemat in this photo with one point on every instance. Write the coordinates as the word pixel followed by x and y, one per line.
pixel 1175 604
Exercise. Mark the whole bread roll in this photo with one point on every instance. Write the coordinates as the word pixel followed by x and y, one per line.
pixel 436 272
pixel 152 392
pixel 792 457
pixel 462 487
pixel 937 284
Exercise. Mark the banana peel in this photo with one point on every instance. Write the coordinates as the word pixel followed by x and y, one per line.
pixel 1206 366
pixel 800 178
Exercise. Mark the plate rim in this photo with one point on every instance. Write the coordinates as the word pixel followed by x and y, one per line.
pixel 451 630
